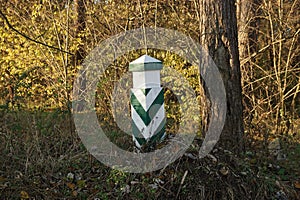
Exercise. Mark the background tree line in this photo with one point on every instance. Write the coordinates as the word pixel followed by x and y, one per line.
pixel 44 42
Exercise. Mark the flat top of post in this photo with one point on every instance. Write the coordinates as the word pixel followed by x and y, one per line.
pixel 145 63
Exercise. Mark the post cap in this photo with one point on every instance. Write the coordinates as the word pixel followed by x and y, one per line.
pixel 145 63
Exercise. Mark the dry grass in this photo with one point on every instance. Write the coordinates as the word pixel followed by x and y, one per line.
pixel 43 158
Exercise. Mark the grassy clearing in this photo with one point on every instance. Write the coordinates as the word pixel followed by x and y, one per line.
pixel 43 158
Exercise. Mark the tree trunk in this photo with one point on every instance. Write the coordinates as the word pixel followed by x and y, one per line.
pixel 80 53
pixel 79 28
pixel 247 28
pixel 243 17
pixel 218 28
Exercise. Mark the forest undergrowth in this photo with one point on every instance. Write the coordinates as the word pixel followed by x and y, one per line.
pixel 43 158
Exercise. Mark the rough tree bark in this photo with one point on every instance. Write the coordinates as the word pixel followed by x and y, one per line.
pixel 218 34
pixel 80 26
pixel 248 23
pixel 247 28
pixel 243 17
pixel 80 53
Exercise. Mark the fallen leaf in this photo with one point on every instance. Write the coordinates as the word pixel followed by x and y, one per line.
pixel 134 182
pixel 71 186
pixel 190 156
pixel 24 195
pixel 253 161
pixel 75 193
pixel 244 173
pixel 297 185
pixel 81 183
pixel 126 189
pixel 70 176
pixel 213 158
pixel 153 186
pixel 274 147
pixel 224 171
pixel 2 179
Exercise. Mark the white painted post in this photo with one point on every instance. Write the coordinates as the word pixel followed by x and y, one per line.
pixel 147 102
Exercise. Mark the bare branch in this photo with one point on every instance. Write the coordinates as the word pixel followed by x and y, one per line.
pixel 29 38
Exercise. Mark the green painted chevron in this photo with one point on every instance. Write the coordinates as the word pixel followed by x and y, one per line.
pixel 148 115
pixel 144 114
pixel 145 90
